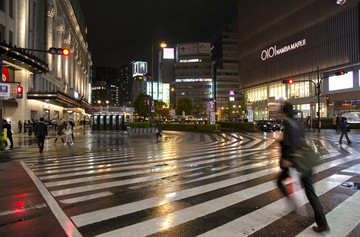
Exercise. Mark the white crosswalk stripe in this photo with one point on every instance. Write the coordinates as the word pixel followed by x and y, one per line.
pixel 175 187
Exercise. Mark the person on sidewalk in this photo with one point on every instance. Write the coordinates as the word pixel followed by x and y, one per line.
pixel 294 133
pixel 159 130
pixel 344 130
pixel 68 133
pixel 20 126
pixel 8 134
pixel 60 133
pixel 40 131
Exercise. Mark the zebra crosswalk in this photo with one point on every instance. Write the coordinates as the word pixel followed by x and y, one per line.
pixel 195 185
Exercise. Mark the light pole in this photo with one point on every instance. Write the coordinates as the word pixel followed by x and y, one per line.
pixel 162 45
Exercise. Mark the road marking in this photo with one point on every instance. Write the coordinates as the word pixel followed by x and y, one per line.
pixel 349 211
pixel 86 197
pixel 64 221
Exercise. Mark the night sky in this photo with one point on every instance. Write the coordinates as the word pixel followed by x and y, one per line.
pixel 122 31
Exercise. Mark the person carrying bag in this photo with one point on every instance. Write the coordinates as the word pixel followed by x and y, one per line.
pixel 293 155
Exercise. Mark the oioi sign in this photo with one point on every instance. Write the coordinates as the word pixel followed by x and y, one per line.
pixel 273 51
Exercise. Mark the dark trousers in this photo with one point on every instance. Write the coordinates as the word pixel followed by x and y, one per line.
pixel 11 141
pixel 346 136
pixel 314 201
pixel 40 143
pixel 158 135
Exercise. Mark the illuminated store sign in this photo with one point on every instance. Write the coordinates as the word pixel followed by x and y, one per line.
pixel 273 51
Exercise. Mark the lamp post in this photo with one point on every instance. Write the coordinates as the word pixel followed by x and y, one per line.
pixel 162 45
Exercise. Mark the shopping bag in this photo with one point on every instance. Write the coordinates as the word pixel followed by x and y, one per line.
pixel 298 195
pixel 305 159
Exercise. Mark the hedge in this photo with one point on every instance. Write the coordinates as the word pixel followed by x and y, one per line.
pixel 191 127
pixel 236 125
pixel 140 125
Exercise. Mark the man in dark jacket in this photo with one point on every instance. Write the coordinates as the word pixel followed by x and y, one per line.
pixel 294 134
pixel 40 132
pixel 8 133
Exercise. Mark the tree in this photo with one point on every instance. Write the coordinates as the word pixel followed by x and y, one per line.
pixel 229 109
pixel 183 104
pixel 161 109
pixel 243 105
pixel 199 107
pixel 142 105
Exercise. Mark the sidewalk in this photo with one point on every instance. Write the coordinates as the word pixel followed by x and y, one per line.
pixel 25 146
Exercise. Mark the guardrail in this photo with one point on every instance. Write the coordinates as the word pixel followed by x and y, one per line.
pixel 140 131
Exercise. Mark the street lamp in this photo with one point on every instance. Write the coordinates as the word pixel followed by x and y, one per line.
pixel 162 45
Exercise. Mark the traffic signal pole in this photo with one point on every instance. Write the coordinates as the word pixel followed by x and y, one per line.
pixel 318 94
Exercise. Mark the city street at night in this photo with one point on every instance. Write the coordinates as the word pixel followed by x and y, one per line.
pixel 188 184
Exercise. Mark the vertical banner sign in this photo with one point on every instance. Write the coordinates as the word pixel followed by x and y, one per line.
pixel 212 118
pixel 5 74
pixel 250 116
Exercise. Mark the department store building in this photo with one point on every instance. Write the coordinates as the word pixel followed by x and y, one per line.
pixel 307 41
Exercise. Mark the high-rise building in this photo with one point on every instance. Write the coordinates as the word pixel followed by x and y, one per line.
pixel 124 82
pixel 307 41
pixel 224 54
pixel 194 72
pixel 54 86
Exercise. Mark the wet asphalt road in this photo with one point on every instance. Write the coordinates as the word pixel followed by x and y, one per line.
pixel 188 184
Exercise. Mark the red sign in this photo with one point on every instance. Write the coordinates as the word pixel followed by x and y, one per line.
pixel 5 74
pixel 312 103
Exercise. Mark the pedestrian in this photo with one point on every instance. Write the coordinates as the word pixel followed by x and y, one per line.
pixel 40 131
pixel 84 123
pixel 20 126
pixel 25 127
pixel 8 134
pixel 60 133
pixel 29 126
pixel 338 124
pixel 159 130
pixel 68 133
pixel 344 130
pixel 72 124
pixel 294 134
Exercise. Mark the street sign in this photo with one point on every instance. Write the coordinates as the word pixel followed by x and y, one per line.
pixel 249 103
pixel 152 109
pixel 312 103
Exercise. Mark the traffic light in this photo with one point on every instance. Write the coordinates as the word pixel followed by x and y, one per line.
pixel 289 81
pixel 19 91
pixel 327 99
pixel 149 75
pixel 339 73
pixel 59 51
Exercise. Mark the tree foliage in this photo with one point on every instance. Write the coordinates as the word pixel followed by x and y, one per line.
pixel 243 106
pixel 199 107
pixel 142 105
pixel 161 109
pixel 183 104
pixel 229 109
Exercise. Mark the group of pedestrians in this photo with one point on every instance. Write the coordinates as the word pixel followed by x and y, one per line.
pixel 64 130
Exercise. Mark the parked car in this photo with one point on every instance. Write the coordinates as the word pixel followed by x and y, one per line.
pixel 266 125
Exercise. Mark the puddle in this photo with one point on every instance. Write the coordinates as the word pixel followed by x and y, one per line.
pixel 352 185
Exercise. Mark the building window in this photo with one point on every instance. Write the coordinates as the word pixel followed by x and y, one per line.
pixel 10 37
pixel 2 33
pixel 11 9
pixel 2 5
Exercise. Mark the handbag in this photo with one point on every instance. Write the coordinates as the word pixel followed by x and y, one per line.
pixel 305 159
pixel 348 129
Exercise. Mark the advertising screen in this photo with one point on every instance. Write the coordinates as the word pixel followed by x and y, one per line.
pixel 168 53
pixel 341 82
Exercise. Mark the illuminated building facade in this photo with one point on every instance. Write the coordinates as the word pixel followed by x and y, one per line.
pixel 224 54
pixel 193 72
pixel 62 90
pixel 291 40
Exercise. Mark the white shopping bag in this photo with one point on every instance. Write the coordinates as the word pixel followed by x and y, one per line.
pixel 298 196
